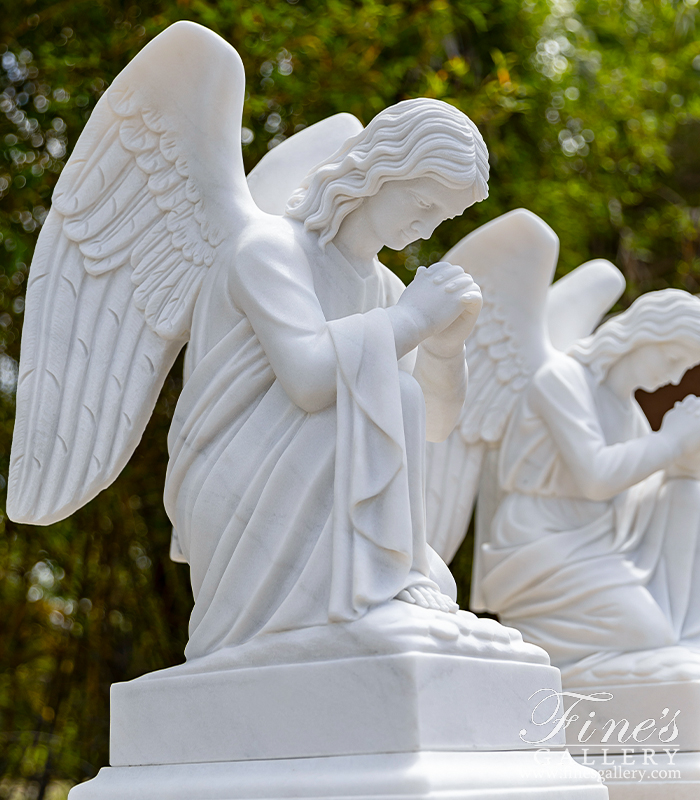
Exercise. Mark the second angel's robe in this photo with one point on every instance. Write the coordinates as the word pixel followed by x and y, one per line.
pixel 587 578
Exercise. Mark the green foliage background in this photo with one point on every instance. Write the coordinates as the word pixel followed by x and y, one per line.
pixel 591 111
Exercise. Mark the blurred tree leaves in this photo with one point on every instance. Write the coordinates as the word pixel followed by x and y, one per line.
pixel 591 111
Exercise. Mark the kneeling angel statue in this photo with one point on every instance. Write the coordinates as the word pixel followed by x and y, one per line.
pixel 588 522
pixel 312 375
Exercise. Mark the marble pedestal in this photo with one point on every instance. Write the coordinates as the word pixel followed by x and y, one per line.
pixel 645 776
pixel 400 703
pixel 398 726
pixel 389 776
pixel 639 760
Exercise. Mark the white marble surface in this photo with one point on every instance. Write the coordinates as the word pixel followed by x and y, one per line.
pixel 403 703
pixel 652 715
pixel 398 776
pixel 588 523
pixel 646 777
pixel 312 376
pixel 295 484
pixel 577 302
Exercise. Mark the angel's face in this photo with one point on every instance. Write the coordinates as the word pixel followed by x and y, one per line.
pixel 656 365
pixel 405 210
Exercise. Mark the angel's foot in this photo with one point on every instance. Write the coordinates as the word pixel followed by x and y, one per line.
pixel 427 597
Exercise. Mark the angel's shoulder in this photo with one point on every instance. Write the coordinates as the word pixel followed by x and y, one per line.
pixel 559 376
pixel 271 240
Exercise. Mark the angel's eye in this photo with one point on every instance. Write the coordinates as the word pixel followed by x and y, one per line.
pixel 421 202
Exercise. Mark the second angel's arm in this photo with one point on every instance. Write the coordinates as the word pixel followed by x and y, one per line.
pixel 601 470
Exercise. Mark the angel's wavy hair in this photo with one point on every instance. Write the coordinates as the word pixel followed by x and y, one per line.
pixel 669 315
pixel 420 138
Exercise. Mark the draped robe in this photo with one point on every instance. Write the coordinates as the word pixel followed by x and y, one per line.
pixel 290 518
pixel 582 578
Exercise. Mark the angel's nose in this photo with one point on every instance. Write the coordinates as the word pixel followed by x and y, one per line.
pixel 423 229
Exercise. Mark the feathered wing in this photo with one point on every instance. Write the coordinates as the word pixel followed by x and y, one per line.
pixel 577 302
pixel 453 468
pixel 280 171
pixel 513 258
pixel 141 211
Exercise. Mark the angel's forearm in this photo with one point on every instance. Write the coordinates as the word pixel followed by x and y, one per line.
pixel 600 470
pixel 407 335
pixel 443 380
pixel 614 468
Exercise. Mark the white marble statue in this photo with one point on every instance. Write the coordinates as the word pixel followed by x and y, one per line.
pixel 295 475
pixel 588 523
pixel 326 648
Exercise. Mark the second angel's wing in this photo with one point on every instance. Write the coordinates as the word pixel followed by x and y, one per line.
pixel 141 211
pixel 513 259
pixel 577 302
pixel 452 471
pixel 523 316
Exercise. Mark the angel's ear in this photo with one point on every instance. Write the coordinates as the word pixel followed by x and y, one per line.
pixel 577 302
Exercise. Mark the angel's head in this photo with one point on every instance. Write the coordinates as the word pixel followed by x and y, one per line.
pixel 416 163
pixel 651 344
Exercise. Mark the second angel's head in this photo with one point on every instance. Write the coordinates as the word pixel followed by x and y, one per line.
pixel 416 164
pixel 651 344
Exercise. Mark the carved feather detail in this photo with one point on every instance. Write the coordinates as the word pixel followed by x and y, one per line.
pixel 119 265
pixel 513 259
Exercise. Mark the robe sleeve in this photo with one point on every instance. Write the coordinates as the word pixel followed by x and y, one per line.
pixel 393 289
pixel 272 285
pixel 350 361
pixel 372 526
pixel 562 397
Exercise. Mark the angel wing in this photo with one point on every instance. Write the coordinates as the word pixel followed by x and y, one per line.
pixel 146 204
pixel 281 171
pixel 513 258
pixel 577 302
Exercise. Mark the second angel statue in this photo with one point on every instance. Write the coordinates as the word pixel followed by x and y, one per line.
pixel 296 473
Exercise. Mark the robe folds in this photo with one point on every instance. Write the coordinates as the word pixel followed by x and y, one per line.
pixel 290 518
pixel 584 578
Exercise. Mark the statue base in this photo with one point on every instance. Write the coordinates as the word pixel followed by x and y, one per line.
pixel 647 776
pixel 398 703
pixel 635 716
pixel 643 738
pixel 421 706
pixel 395 776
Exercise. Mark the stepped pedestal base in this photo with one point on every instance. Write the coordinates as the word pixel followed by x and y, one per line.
pixel 401 703
pixel 643 776
pixel 392 776
pixel 405 725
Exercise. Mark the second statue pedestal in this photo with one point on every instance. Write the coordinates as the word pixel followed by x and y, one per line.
pixel 643 738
